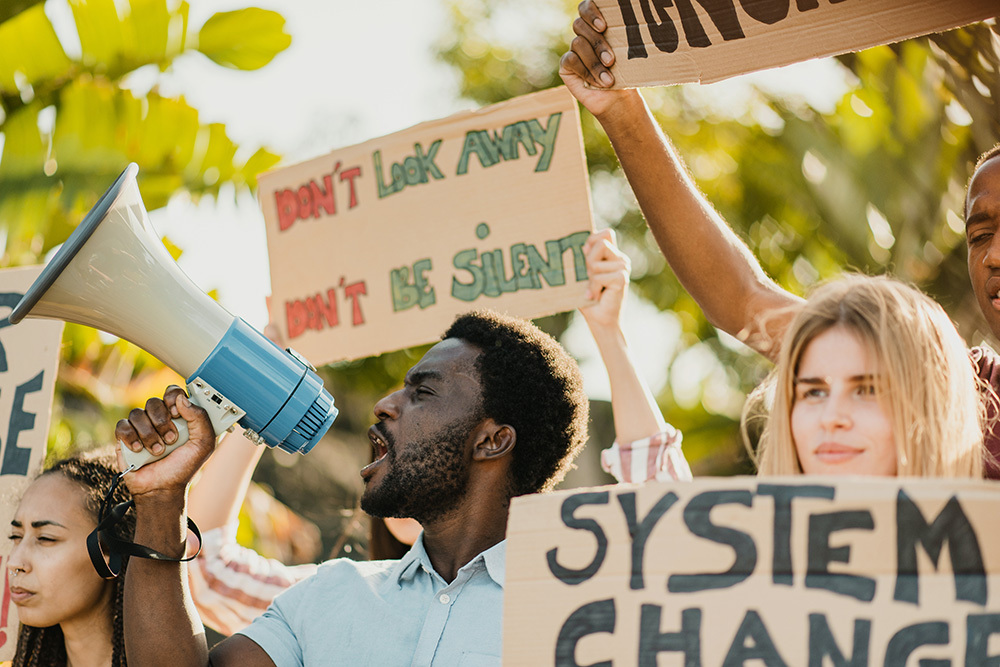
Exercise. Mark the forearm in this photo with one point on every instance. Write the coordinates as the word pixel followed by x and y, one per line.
pixel 161 624
pixel 708 258
pixel 635 411
pixel 218 491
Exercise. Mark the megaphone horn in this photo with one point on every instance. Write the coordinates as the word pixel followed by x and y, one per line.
pixel 114 274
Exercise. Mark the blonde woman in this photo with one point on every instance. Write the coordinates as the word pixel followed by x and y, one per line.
pixel 872 379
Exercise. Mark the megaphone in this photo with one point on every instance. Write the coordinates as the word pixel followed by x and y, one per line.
pixel 114 274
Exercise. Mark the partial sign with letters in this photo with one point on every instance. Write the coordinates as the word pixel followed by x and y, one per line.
pixel 378 246
pixel 29 359
pixel 659 42
pixel 789 571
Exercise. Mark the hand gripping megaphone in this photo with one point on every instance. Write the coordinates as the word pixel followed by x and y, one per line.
pixel 114 274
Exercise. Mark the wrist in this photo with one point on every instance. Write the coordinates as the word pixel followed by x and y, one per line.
pixel 608 335
pixel 624 113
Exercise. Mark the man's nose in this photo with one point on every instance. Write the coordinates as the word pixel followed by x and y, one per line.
pixel 388 406
pixel 992 256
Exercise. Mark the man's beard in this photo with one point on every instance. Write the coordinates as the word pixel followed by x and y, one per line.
pixel 425 481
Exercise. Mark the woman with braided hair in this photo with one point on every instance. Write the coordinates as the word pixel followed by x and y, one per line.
pixel 69 615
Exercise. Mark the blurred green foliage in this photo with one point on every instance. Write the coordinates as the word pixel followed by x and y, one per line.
pixel 70 121
pixel 877 184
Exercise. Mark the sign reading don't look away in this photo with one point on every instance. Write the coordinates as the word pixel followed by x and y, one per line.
pixel 776 572
pixel 378 246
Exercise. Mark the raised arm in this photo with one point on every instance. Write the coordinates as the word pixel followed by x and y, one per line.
pixel 161 624
pixel 710 260
pixel 218 491
pixel 639 424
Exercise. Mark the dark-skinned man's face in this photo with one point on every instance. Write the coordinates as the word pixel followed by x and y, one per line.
pixel 424 436
pixel 981 222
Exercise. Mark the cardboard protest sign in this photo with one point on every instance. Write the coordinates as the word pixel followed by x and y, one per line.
pixel 378 246
pixel 29 359
pixel 768 571
pixel 659 42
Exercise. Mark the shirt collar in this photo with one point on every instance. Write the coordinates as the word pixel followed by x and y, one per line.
pixel 494 558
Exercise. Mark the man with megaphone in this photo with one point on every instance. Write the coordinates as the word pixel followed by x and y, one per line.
pixel 496 409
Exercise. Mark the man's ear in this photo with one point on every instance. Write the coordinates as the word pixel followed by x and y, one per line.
pixel 494 441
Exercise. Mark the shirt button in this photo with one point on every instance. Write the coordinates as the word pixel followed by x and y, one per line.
pixel 444 599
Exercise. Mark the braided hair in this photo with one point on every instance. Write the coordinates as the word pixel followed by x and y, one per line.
pixel 94 473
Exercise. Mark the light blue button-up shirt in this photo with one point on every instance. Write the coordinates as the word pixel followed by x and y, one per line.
pixel 391 612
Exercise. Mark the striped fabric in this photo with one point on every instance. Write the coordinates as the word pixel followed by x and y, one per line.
pixel 658 457
pixel 232 585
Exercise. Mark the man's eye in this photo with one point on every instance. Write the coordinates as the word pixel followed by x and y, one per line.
pixel 13 537
pixel 976 239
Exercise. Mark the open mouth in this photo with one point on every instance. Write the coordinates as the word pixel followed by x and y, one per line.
pixel 381 450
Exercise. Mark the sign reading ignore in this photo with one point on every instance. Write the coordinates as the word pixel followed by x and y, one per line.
pixel 761 571
pixel 659 42
pixel 379 246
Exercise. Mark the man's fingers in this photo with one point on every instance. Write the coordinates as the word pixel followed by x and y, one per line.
pixel 592 15
pixel 159 416
pixel 124 432
pixel 147 433
pixel 586 46
pixel 170 396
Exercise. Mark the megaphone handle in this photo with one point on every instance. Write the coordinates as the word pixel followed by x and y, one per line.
pixel 136 460
pixel 221 412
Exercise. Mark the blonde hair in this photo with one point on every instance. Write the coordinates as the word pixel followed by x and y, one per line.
pixel 927 382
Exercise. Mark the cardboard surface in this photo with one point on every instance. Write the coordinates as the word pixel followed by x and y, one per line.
pixel 378 246
pixel 660 42
pixel 725 570
pixel 29 359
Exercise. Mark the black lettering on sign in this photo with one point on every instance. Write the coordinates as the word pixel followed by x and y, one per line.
pixel 569 506
pixel 662 32
pixel 652 642
pixel 912 637
pixel 963 547
pixel 639 530
pixel 7 300
pixel 16 459
pixel 766 11
pixel 636 48
pixel 979 627
pixel 822 645
pixel 781 567
pixel 722 13
pixel 696 516
pixel 818 575
pixel 589 619
pixel 761 647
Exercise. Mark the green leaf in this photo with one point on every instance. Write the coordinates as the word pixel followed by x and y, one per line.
pixel 245 39
pixel 258 163
pixel 29 47
pixel 174 250
pixel 100 30
pixel 12 8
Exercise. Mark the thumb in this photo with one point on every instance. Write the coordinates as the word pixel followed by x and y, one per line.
pixel 200 430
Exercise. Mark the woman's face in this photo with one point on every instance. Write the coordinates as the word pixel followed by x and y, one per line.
pixel 839 425
pixel 51 578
